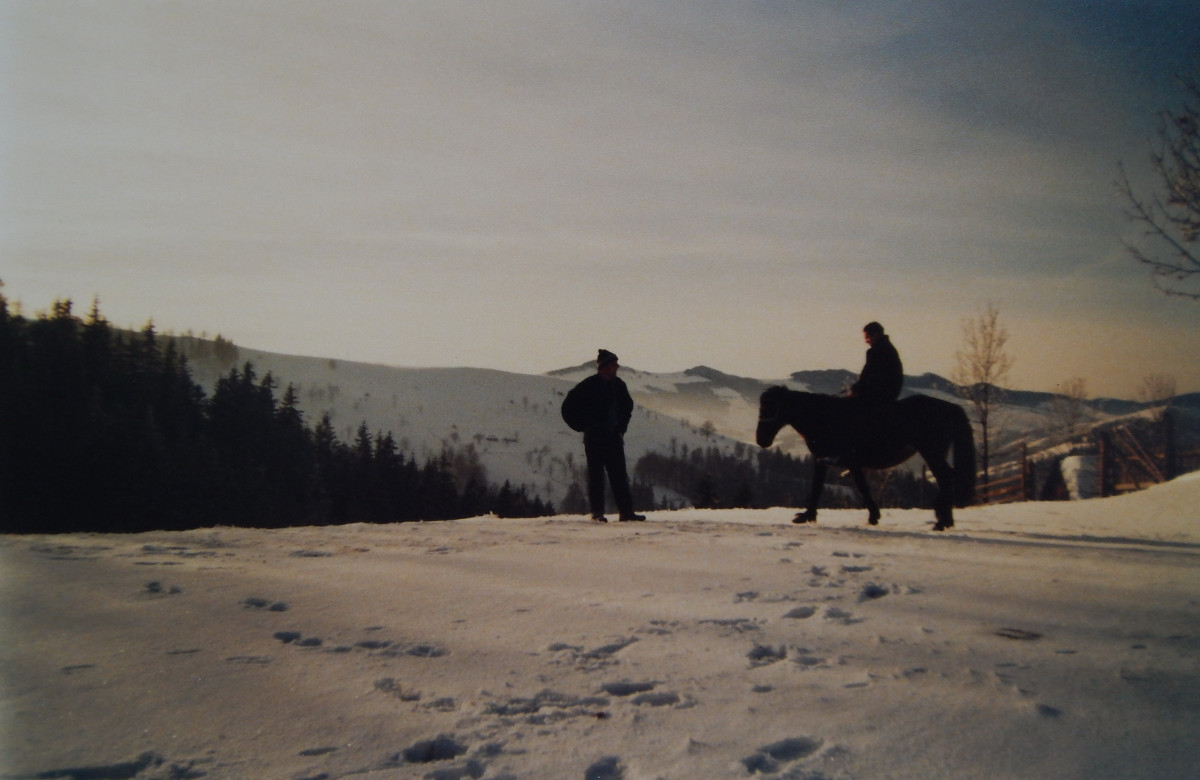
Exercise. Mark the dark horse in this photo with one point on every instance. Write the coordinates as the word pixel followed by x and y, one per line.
pixel 835 430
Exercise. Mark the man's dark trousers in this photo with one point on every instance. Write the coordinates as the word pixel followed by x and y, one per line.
pixel 607 453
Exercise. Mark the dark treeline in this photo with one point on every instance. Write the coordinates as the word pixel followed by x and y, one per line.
pixel 710 478
pixel 103 430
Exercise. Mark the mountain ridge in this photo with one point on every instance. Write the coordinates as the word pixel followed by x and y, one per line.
pixel 511 420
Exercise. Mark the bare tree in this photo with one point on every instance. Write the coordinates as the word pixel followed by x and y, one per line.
pixel 980 365
pixel 1067 408
pixel 1156 389
pixel 1170 217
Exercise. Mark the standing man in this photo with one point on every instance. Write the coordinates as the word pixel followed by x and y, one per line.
pixel 601 407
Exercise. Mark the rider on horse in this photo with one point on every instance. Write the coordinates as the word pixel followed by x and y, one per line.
pixel 882 376
pixel 877 388
pixel 871 429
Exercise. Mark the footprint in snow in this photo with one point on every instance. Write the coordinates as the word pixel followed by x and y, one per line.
pixel 761 655
pixel 265 604
pixel 842 616
pixel 607 768
pixel 156 588
pixel 873 591
pixel 772 758
pixel 627 688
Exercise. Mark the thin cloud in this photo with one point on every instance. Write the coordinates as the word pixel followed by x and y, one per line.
pixel 372 157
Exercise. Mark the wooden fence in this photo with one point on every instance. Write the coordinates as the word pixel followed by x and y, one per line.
pixel 1006 489
pixel 1129 458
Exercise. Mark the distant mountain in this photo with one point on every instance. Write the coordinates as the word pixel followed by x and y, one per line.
pixel 828 381
pixel 512 421
pixel 1187 401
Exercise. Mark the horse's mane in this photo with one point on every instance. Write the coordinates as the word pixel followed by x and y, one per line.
pixel 782 393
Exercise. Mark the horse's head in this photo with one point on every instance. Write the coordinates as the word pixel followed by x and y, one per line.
pixel 770 415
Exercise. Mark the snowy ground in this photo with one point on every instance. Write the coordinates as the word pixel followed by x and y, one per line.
pixel 1034 641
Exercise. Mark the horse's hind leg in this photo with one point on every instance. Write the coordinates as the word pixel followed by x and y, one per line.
pixel 864 490
pixel 943 505
pixel 809 515
pixel 943 509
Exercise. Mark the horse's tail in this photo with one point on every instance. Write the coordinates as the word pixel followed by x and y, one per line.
pixel 964 459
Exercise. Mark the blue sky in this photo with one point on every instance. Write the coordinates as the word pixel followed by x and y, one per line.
pixel 512 185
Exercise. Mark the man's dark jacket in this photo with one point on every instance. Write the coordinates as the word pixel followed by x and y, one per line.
pixel 605 405
pixel 882 376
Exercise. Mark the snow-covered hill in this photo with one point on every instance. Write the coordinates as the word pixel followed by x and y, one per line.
pixel 512 420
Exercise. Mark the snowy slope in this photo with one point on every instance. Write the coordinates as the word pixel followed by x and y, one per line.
pixel 1035 640
pixel 512 420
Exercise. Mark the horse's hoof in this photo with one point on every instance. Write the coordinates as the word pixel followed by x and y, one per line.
pixel 873 520
pixel 942 526
pixel 804 517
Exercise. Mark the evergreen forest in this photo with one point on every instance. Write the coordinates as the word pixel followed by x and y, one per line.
pixel 104 430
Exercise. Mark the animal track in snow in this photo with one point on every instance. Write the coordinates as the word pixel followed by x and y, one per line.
pixel 773 758
pixel 295 637
pixel 548 706
pixel 1018 633
pixel 627 688
pixel 264 604
pixel 125 769
pixel 390 686
pixel 596 658
pixel 156 588
pixel 736 625
pixel 443 747
pixel 873 591
pixel 761 655
pixel 841 616
pixel 607 768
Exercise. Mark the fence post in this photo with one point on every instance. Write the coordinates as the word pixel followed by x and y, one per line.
pixel 1025 486
pixel 1170 462
pixel 1102 452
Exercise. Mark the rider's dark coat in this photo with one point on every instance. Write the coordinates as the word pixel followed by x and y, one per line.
pixel 882 376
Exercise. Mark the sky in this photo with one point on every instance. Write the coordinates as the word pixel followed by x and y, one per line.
pixel 514 185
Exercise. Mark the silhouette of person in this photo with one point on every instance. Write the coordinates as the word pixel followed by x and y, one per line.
pixel 606 407
pixel 882 375
pixel 871 397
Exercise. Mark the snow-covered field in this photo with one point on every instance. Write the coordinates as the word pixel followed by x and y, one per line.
pixel 1034 641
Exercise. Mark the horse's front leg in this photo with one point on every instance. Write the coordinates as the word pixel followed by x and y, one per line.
pixel 809 515
pixel 864 490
